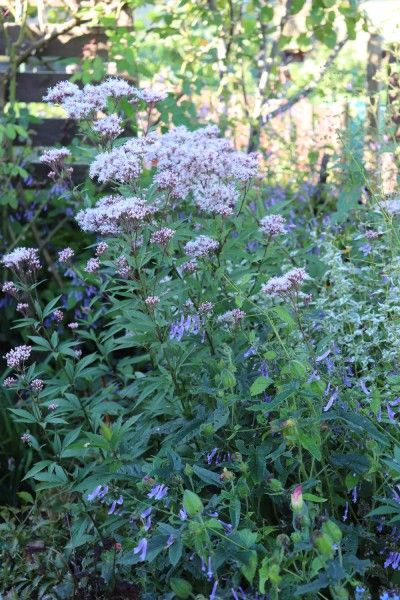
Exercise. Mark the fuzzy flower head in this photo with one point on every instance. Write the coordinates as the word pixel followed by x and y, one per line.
pixel 23 260
pixel 60 92
pixel 36 385
pixel 17 356
pixel 55 157
pixel 22 307
pixel 152 301
pixel 9 381
pixel 232 317
pixel 113 214
pixel 122 267
pixel 65 255
pixel 272 225
pixel 58 315
pixel 9 288
pixel 26 438
pixel 162 236
pixel 190 267
pixel 101 248
pixel 151 96
pixel 92 265
pixel 286 284
pixel 201 247
pixel 109 127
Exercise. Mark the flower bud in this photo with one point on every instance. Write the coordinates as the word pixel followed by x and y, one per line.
pixel 192 503
pixel 331 529
pixel 296 499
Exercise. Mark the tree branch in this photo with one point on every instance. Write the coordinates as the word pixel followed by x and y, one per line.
pixel 307 90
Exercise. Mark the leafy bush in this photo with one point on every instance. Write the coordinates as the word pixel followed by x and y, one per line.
pixel 218 418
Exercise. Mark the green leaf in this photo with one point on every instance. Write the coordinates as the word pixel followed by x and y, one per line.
pixel 180 587
pixel 313 498
pixel 296 6
pixel 250 567
pixel 259 385
pixel 207 476
pixel 42 464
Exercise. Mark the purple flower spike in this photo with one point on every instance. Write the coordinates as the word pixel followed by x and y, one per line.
pixel 331 401
pixel 170 540
pixel 182 514
pixel 158 492
pixel 214 590
pixel 141 548
pixel 346 512
pixel 146 516
pixel 99 492
pixel 391 414
pixel 209 570
pixel 364 388
pixel 234 594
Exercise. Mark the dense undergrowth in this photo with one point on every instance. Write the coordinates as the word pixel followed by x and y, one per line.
pixel 209 408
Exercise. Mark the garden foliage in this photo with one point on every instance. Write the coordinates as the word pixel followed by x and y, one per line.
pixel 209 407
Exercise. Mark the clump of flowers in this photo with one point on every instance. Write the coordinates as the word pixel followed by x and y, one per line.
pixel 201 247
pixel 18 356
pixel 23 260
pixel 286 284
pixel 115 213
pixel 65 255
pixel 162 236
pixel 272 225
pixel 109 127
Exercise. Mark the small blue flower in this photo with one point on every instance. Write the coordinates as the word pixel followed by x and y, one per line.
pixel 158 492
pixel 141 548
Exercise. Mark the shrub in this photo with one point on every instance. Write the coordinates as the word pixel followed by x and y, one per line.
pixel 196 429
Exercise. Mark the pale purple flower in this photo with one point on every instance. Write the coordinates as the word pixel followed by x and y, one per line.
pixel 354 494
pixel 209 569
pixel 151 96
pixel 17 356
pixel 370 234
pixel 26 438
pixel 162 236
pixel 65 255
pixel 9 288
pixel 99 492
pixel 109 127
pixel 60 91
pixel 92 265
pixel 346 512
pixel 55 157
pixel 323 356
pixel 122 267
pixel 152 301
pixel 73 325
pixel 52 407
pixel 141 549
pixel 286 284
pixel 170 540
pixel 22 259
pixel 113 214
pixel 232 317
pixel 101 248
pixel 272 225
pixel 58 315
pixel 146 517
pixel 114 505
pixel 206 308
pixel 22 307
pixel 189 267
pixel 9 381
pixel 183 514
pixel 393 560
pixel 364 388
pixel 331 400
pixel 158 492
pixel 36 385
pixel 201 247
pixel 214 590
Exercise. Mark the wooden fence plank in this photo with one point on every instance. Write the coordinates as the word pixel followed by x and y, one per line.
pixel 31 87
pixel 68 46
pixel 53 131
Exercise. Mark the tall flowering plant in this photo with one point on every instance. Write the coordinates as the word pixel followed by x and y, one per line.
pixel 162 411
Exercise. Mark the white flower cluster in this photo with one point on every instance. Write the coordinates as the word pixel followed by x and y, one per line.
pixel 113 214
pixel 17 356
pixel 232 317
pixel 25 260
pixel 286 284
pixel 216 198
pixel 201 247
pixel 65 255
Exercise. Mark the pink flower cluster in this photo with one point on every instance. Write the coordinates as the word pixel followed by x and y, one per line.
pixel 25 260
pixel 92 265
pixel 65 255
pixel 204 164
pixel 17 356
pixel 232 317
pixel 286 284
pixel 201 247
pixel 152 301
pixel 113 214
pixel 84 103
pixel 162 236
pixel 101 248
pixel 122 164
pixel 37 385
pixel 55 157
pixel 272 225
pixel 9 288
